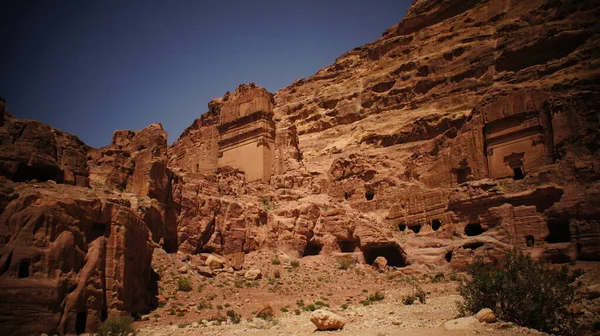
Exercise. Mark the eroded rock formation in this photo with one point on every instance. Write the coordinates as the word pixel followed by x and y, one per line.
pixel 467 128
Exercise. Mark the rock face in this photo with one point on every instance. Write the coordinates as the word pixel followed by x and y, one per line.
pixel 31 150
pixel 467 128
pixel 68 258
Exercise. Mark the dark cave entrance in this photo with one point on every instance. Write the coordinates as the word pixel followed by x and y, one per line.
pixel 391 252
pixel 448 256
pixel 312 248
pixel 436 224
pixel 518 173
pixel 41 173
pixel 472 246
pixel 402 227
pixel 462 174
pixel 97 230
pixel 346 195
pixel 369 195
pixel 348 246
pixel 474 229
pixel 529 241
pixel 24 269
pixel 80 322
pixel 559 231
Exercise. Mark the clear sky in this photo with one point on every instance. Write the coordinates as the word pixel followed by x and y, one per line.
pixel 93 66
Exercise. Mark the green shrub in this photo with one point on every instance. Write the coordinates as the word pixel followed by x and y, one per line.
pixel 408 299
pixel 377 296
pixel 522 291
pixel 234 317
pixel 277 274
pixel 117 326
pixel 345 263
pixel 184 285
pixel 276 261
pixel 295 263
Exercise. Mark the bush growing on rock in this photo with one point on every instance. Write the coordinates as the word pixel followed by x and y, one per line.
pixel 184 285
pixel 522 291
pixel 116 326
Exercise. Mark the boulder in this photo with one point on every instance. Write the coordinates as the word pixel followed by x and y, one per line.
pixel 253 274
pixel 215 261
pixel 326 320
pixel 235 260
pixel 486 315
pixel 593 291
pixel 380 264
pixel 205 271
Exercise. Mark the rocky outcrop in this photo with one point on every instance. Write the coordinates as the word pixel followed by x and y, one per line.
pixel 467 128
pixel 135 162
pixel 31 150
pixel 69 258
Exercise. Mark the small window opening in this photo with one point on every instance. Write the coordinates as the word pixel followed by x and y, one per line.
pixel 24 269
pixel 518 173
pixel 197 167
pixel 402 227
pixel 369 195
pixel 415 228
pixel 346 195
pixel 436 224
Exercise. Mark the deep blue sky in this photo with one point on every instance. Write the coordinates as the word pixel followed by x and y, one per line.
pixel 91 67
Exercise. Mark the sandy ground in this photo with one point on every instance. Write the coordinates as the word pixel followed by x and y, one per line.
pixel 294 288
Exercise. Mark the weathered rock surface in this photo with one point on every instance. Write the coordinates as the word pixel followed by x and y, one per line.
pixel 326 320
pixel 467 128
pixel 486 315
pixel 68 258
pixel 31 150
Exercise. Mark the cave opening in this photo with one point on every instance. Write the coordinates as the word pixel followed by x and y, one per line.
pixel 462 174
pixel 80 322
pixel 402 227
pixel 24 269
pixel 312 248
pixel 415 228
pixel 97 230
pixel 369 195
pixel 348 246
pixel 448 256
pixel 529 241
pixel 472 246
pixel 436 224
pixel 518 173
pixel 474 229
pixel 26 172
pixel 346 195
pixel 391 252
pixel 559 231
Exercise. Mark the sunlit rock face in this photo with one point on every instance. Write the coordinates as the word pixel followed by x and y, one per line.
pixel 468 128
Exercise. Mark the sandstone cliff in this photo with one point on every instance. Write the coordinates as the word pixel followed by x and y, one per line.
pixel 467 128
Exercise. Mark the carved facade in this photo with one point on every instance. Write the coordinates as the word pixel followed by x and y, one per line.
pixel 518 134
pixel 237 131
